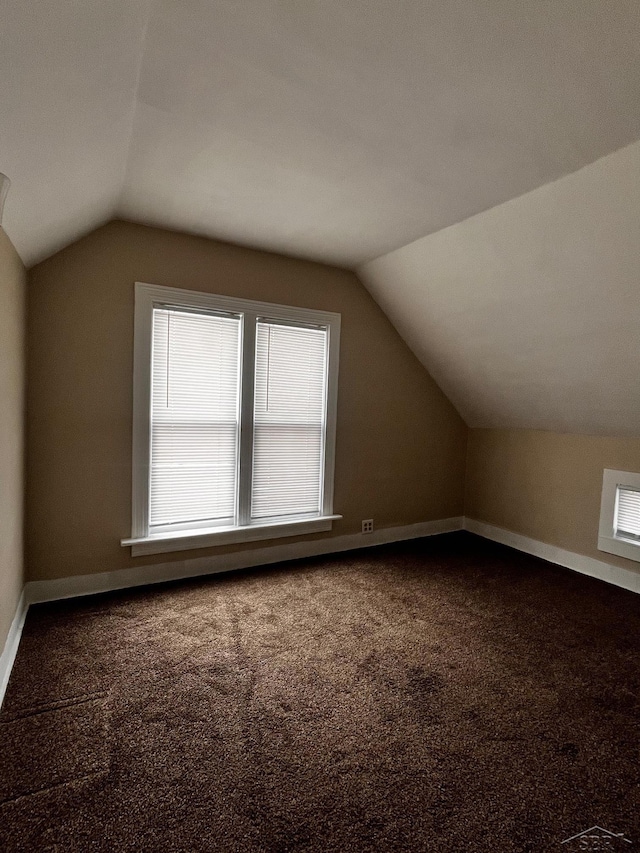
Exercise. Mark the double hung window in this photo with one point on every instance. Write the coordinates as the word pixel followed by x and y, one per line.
pixel 234 420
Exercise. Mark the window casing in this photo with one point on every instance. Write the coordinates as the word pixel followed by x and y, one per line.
pixel 619 531
pixel 242 452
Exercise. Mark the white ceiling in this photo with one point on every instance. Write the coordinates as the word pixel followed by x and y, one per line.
pixel 329 129
pixel 68 71
pixel 341 131
pixel 528 315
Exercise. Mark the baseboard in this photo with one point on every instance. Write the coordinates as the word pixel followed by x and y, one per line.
pixel 568 559
pixel 70 587
pixel 10 650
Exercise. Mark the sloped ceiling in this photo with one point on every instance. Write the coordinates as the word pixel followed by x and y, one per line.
pixel 329 129
pixel 341 131
pixel 68 73
pixel 528 315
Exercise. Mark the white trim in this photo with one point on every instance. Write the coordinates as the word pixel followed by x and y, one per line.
pixel 71 587
pixel 186 540
pixel 608 539
pixel 52 590
pixel 247 400
pixel 331 415
pixel 8 656
pixel 35 592
pixel 569 559
pixel 141 411
pixel 620 546
pixel 160 294
pixel 149 295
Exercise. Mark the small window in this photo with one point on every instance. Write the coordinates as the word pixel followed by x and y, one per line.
pixel 619 531
pixel 627 516
pixel 234 420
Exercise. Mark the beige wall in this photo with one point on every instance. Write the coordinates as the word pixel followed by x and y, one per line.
pixel 400 443
pixel 12 292
pixel 545 485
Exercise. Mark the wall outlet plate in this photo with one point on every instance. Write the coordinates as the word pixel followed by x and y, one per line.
pixel 367 525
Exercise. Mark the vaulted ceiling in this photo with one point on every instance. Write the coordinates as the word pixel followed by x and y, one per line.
pixel 528 315
pixel 339 131
pixel 330 129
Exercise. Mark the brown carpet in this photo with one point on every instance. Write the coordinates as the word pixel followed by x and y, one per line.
pixel 444 695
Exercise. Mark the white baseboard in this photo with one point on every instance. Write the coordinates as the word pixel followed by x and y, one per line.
pixel 568 559
pixel 10 650
pixel 71 587
pixel 52 590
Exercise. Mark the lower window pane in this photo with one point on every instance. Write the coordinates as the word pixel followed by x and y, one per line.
pixel 287 470
pixel 193 473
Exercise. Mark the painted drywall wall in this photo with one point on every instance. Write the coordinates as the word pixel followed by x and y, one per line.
pixel 527 315
pixel 401 445
pixel 12 372
pixel 545 485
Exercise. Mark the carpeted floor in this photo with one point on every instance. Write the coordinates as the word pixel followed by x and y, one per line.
pixel 443 695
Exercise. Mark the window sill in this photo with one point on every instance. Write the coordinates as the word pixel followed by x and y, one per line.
pixel 185 540
pixel 628 548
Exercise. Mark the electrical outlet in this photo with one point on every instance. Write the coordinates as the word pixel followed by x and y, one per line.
pixel 367 525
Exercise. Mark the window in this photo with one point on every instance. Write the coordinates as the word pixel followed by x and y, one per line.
pixel 619 531
pixel 234 420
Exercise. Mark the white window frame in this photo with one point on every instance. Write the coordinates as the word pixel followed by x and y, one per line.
pixel 608 539
pixel 148 296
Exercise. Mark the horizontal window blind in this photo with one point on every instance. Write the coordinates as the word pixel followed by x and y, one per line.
pixel 289 420
pixel 194 418
pixel 628 512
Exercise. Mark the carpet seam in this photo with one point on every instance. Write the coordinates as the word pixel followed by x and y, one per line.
pixel 58 705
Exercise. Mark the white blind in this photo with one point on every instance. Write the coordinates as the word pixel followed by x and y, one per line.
pixel 194 418
pixel 628 512
pixel 289 420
